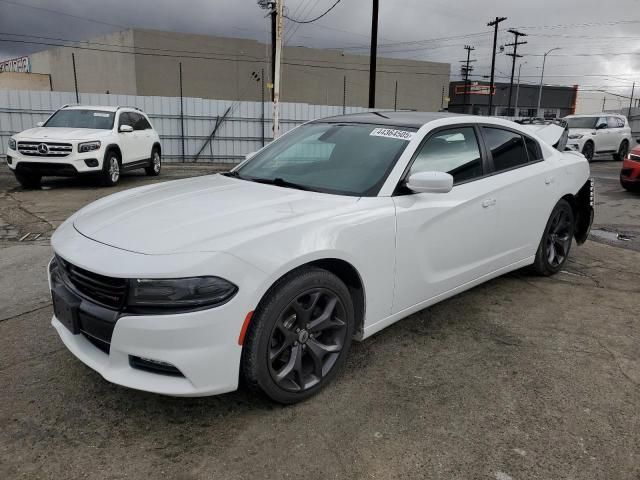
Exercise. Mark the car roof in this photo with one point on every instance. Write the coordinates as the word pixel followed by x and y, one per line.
pixel 90 107
pixel 587 115
pixel 392 119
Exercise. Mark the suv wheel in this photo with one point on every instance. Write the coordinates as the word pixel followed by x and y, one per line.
pixel 28 180
pixel 153 170
pixel 111 169
pixel 622 151
pixel 299 336
pixel 556 240
pixel 588 150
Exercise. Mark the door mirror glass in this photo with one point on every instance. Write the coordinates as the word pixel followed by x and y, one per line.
pixel 126 128
pixel 39 124
pixel 430 182
pixel 602 125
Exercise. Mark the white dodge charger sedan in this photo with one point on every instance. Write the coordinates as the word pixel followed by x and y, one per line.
pixel 334 231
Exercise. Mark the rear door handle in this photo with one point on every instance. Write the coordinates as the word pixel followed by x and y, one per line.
pixel 489 202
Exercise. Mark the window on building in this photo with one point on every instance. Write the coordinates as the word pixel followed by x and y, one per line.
pixel 454 151
pixel 507 148
pixel 550 113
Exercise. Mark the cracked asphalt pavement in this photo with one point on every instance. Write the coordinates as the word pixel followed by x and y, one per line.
pixel 520 378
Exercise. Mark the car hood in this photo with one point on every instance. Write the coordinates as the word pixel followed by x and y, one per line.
pixel 209 213
pixel 59 133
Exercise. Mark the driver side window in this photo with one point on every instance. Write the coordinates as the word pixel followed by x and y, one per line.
pixel 454 151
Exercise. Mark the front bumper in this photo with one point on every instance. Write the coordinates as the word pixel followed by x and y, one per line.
pixel 576 144
pixel 630 172
pixel 202 345
pixel 69 166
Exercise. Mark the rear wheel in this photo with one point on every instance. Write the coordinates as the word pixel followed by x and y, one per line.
pixel 28 180
pixel 153 170
pixel 556 240
pixel 588 150
pixel 299 337
pixel 622 151
pixel 111 169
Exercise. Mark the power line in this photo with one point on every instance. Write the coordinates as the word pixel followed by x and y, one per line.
pixel 316 18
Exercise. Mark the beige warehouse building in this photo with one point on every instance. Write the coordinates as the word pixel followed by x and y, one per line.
pixel 146 62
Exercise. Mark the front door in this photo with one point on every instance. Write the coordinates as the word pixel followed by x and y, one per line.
pixel 445 240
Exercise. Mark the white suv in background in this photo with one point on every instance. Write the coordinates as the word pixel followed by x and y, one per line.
pixel 599 134
pixel 85 140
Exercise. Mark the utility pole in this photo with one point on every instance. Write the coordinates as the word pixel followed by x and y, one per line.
pixel 276 75
pixel 374 53
pixel 181 112
pixel 465 71
pixel 604 100
pixel 493 24
pixel 75 76
pixel 515 55
pixel 631 102
pixel 273 13
pixel 344 94
pixel 395 98
pixel 518 88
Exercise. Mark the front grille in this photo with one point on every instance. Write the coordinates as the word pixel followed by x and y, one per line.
pixel 107 291
pixel 46 168
pixel 44 149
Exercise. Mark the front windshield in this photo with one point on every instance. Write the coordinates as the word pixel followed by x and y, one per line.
pixel 582 122
pixel 76 118
pixel 347 159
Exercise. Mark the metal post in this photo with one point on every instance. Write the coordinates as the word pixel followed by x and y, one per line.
pixel 181 113
pixel 75 76
pixel 493 59
pixel 374 53
pixel 631 102
pixel 344 95
pixel 468 48
pixel 515 109
pixel 262 89
pixel 276 78
pixel 544 59
pixel 395 98
pixel 442 99
pixel 274 17
pixel 604 100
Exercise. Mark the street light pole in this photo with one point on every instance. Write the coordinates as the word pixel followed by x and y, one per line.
pixel 544 59
pixel 518 89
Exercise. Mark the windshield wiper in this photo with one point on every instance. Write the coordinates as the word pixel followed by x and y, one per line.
pixel 233 174
pixel 280 182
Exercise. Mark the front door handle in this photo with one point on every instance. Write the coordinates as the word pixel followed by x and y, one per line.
pixel 489 202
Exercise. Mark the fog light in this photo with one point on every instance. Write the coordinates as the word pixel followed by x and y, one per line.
pixel 9 160
pixel 91 162
pixel 154 366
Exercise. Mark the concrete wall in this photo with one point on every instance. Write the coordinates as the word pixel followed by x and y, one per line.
pixel 309 75
pixel 98 70
pixel 24 81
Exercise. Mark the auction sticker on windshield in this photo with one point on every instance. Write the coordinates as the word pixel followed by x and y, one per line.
pixel 392 133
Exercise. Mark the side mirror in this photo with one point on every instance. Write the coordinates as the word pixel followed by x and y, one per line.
pixel 126 129
pixel 39 124
pixel 600 126
pixel 249 155
pixel 430 182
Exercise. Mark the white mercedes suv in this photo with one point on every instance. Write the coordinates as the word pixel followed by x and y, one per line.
pixel 86 140
pixel 599 134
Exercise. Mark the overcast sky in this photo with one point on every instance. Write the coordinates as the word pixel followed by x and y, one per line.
pixel 439 29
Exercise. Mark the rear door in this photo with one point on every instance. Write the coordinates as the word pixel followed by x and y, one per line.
pixel 445 240
pixel 525 189
pixel 142 133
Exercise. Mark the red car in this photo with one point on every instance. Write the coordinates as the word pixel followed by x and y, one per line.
pixel 630 173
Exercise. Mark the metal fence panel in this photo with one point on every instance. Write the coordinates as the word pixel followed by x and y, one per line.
pixel 240 134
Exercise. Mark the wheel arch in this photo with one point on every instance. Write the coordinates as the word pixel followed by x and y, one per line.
pixel 582 207
pixel 113 147
pixel 158 146
pixel 342 269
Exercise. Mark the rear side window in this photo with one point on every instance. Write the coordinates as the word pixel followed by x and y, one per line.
pixel 533 149
pixel 612 122
pixel 620 122
pixel 507 148
pixel 138 121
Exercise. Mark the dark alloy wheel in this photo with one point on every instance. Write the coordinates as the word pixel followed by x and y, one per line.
pixel 588 151
pixel 299 336
pixel 556 241
pixel 154 168
pixel 622 151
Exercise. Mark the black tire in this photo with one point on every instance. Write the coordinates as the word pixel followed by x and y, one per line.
pixel 153 170
pixel 111 168
pixel 28 180
pixel 556 240
pixel 299 318
pixel 622 151
pixel 588 150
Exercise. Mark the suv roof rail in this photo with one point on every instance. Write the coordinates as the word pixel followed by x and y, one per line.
pixel 68 105
pixel 128 106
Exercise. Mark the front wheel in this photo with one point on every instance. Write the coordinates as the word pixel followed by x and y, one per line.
pixel 622 151
pixel 153 170
pixel 111 169
pixel 299 336
pixel 588 150
pixel 556 240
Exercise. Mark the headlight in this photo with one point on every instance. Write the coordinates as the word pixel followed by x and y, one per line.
pixel 88 146
pixel 12 143
pixel 576 136
pixel 187 293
